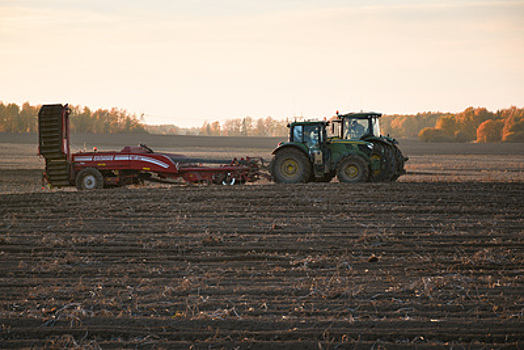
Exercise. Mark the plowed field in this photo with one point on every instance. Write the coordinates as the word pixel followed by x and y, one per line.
pixel 435 261
pixel 405 265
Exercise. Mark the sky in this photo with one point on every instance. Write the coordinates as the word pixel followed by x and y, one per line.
pixel 186 61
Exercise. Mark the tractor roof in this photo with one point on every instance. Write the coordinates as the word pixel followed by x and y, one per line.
pixel 360 115
pixel 309 122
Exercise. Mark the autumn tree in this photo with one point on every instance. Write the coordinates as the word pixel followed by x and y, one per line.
pixel 468 121
pixel 261 128
pixel 205 129
pixel 27 118
pixel 490 131
pixel 246 126
pixel 434 135
pixel 447 124
pixel 82 123
pixel 408 125
pixel 232 127
pixel 8 117
pixel 513 130
pixel 215 128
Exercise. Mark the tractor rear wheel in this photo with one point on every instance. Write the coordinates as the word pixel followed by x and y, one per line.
pixel 89 179
pixel 290 166
pixel 400 161
pixel 385 154
pixel 352 169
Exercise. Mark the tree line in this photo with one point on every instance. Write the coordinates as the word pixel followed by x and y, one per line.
pixel 24 119
pixel 248 126
pixel 473 124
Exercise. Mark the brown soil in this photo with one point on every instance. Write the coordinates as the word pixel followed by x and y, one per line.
pixel 434 261
pixel 391 266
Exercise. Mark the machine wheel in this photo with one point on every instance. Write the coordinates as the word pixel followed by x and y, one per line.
pixel 387 163
pixel 89 179
pixel 352 169
pixel 291 166
pixel 399 160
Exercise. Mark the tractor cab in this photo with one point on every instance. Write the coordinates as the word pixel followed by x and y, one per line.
pixel 311 134
pixel 356 126
pixel 365 126
pixel 311 137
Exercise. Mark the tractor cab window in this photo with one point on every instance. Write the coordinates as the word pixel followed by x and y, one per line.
pixel 311 135
pixel 298 131
pixel 355 128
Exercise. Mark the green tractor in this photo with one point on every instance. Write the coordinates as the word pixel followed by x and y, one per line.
pixel 311 156
pixel 366 127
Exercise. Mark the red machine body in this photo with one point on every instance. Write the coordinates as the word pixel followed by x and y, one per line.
pixel 131 165
pixel 141 163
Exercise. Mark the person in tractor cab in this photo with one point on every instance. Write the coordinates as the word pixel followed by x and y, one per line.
pixel 312 140
pixel 356 130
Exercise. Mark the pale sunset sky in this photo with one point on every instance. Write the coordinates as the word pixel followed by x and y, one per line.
pixel 183 62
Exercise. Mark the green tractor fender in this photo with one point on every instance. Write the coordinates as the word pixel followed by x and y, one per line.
pixel 288 145
pixel 340 147
pixel 383 139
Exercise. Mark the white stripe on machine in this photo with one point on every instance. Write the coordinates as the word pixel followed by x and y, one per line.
pixel 120 158
pixel 149 160
pixel 83 159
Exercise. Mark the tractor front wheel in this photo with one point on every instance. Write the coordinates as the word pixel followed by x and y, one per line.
pixel 89 179
pixel 352 169
pixel 290 166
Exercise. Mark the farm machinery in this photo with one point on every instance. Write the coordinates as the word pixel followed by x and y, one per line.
pixel 311 156
pixel 131 165
pixel 348 146
pixel 316 151
pixel 366 127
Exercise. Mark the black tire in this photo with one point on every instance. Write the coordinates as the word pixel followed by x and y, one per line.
pixel 89 179
pixel 290 166
pixel 387 162
pixel 352 169
pixel 399 161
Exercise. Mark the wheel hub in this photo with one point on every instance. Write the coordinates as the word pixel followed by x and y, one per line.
pixel 290 167
pixel 376 157
pixel 351 171
pixel 89 182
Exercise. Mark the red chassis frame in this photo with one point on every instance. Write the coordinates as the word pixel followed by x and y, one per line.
pixel 135 163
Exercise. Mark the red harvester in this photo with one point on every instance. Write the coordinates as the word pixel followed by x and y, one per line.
pixel 132 165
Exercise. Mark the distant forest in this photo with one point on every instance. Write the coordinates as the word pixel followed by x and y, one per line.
pixel 473 124
pixel 246 126
pixel 16 119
